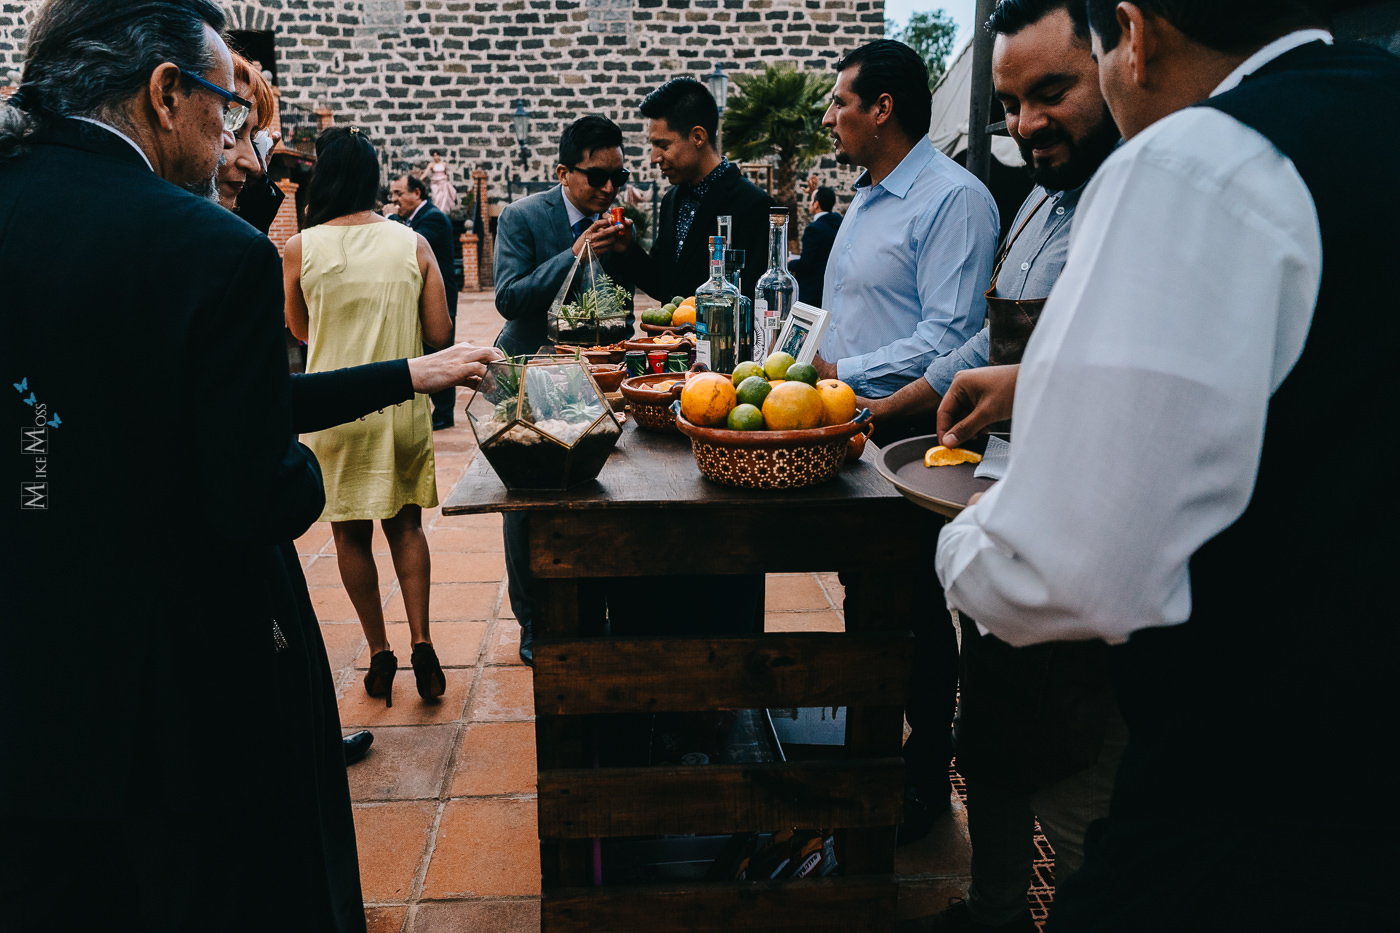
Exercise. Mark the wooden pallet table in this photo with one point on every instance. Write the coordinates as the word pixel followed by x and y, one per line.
pixel 650 497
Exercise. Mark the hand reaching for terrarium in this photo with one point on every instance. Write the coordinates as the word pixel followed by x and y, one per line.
pixel 462 365
pixel 606 236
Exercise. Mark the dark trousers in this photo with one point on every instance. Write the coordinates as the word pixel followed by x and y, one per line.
pixel 445 401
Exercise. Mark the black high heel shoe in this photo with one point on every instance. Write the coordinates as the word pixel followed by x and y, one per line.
pixel 432 683
pixel 379 679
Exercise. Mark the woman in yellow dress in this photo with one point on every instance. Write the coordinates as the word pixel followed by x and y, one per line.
pixel 361 289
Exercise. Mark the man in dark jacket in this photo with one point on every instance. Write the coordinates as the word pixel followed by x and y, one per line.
pixel 410 197
pixel 705 186
pixel 810 268
pixel 160 377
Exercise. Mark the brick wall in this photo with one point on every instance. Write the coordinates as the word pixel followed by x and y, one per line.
pixel 442 74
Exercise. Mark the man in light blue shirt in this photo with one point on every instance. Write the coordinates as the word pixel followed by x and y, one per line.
pixel 912 258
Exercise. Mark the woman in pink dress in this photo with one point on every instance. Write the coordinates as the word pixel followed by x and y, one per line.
pixel 444 195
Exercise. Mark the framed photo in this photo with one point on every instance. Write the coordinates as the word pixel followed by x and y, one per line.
pixel 803 331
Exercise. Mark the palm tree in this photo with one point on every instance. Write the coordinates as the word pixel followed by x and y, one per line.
pixel 779 112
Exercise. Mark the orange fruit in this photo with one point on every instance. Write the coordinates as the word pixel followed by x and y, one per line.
pixel 689 301
pixel 838 401
pixel 685 314
pixel 948 456
pixel 793 406
pixel 707 399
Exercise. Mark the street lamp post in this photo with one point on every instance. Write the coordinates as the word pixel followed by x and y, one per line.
pixel 717 82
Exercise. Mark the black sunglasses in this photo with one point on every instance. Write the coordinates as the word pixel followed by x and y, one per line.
pixel 598 177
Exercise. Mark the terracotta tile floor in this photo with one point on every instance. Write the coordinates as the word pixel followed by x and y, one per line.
pixel 445 800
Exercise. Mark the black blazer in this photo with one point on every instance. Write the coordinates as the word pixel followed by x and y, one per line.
pixel 663 275
pixel 165 362
pixel 810 268
pixel 436 228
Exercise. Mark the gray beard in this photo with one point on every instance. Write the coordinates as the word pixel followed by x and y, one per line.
pixel 208 189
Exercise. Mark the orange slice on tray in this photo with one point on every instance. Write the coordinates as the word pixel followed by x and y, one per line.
pixel 948 456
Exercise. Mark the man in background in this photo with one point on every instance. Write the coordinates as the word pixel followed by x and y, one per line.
pixel 704 186
pixel 914 251
pixel 413 206
pixel 810 268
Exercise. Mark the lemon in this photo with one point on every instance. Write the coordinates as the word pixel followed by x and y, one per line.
pixel 776 366
pixel 802 372
pixel 746 369
pixel 948 456
pixel 753 390
pixel 746 417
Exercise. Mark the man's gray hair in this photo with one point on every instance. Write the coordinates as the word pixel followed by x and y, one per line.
pixel 88 58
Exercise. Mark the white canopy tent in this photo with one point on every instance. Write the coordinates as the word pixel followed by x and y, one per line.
pixel 951 103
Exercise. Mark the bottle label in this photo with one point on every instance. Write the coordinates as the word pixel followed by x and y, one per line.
pixel 702 352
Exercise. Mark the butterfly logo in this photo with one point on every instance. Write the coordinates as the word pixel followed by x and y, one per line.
pixel 56 421
pixel 21 386
pixel 30 400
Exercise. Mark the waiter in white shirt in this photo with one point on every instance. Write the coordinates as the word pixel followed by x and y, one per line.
pixel 1164 491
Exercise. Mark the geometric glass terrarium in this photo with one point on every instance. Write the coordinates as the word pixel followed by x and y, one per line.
pixel 598 314
pixel 542 422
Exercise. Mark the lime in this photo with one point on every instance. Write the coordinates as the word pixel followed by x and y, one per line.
pixel 677 300
pixel 776 366
pixel 753 391
pixel 745 417
pixel 802 372
pixel 746 369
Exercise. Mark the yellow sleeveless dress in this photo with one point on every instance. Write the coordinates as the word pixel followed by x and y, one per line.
pixel 361 285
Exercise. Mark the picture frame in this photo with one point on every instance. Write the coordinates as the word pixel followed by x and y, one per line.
pixel 803 331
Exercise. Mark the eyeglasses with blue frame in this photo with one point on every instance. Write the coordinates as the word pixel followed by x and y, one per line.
pixel 235 111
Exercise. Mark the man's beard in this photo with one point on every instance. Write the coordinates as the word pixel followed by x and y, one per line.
pixel 207 188
pixel 1084 156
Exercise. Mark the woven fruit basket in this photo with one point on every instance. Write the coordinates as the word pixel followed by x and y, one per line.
pixel 770 459
pixel 649 399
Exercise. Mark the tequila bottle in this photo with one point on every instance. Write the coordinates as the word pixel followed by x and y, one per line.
pixel 773 295
pixel 734 260
pixel 714 315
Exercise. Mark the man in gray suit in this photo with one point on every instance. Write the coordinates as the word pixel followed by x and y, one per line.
pixel 537 241
pixel 539 237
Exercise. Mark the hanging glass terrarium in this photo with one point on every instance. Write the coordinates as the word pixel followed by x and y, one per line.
pixel 542 423
pixel 598 315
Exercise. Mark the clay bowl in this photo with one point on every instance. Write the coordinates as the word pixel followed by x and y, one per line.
pixel 655 329
pixel 598 356
pixel 770 459
pixel 651 406
pixel 608 375
pixel 648 344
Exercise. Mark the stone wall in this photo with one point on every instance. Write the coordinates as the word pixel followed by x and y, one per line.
pixel 443 74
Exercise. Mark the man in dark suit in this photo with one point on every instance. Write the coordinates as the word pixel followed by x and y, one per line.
pixel 410 198
pixel 705 186
pixel 538 241
pixel 156 393
pixel 810 268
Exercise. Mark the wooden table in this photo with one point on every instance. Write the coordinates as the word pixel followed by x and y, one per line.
pixel 650 495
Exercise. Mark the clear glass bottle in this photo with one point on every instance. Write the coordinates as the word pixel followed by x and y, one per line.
pixel 714 315
pixel 773 294
pixel 734 261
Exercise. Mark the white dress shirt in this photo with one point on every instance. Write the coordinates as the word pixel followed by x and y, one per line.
pixel 1192 275
pixel 907 271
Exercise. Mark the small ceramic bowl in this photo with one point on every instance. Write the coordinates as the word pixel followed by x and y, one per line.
pixel 608 375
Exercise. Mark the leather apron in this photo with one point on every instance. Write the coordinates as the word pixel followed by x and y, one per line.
pixel 1011 320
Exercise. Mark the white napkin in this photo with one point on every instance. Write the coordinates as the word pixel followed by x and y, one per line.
pixel 995 460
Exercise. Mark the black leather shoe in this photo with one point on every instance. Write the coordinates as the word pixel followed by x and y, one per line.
pixel 527 643
pixel 440 424
pixel 922 808
pixel 357 745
